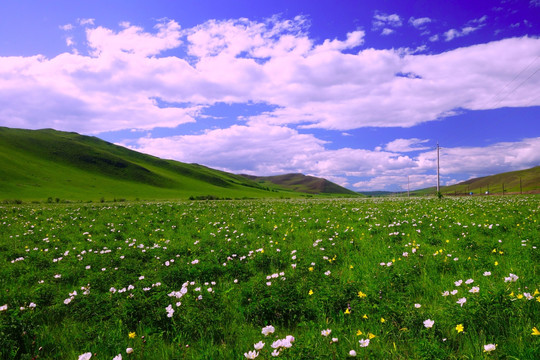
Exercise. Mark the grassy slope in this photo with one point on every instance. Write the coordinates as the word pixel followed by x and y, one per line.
pixel 303 183
pixel 37 164
pixel 530 183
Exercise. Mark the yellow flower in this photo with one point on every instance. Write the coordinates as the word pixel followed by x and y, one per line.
pixel 132 335
pixel 361 295
pixel 519 296
pixel 535 331
pixel 370 335
pixel 358 333
pixel 310 292
pixel 496 263
pixel 365 316
pixel 350 267
pixel 459 328
pixel 382 320
pixel 310 268
pixel 347 311
pixel 536 292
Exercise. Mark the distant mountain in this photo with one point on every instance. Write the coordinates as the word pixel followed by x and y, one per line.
pixel 302 183
pixel 50 165
pixel 514 182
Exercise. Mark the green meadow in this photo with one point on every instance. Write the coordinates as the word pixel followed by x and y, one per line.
pixel 290 279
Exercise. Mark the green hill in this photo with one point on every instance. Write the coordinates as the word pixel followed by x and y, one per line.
pixel 302 183
pixel 49 164
pixel 514 182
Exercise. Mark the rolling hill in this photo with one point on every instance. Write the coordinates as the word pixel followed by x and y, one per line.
pixel 302 183
pixel 39 165
pixel 513 182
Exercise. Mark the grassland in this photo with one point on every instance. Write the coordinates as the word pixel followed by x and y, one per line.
pixel 420 279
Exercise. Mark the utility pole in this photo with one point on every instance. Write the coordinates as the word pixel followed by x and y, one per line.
pixel 438 179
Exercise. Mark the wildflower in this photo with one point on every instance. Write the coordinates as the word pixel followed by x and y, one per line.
pixel 132 335
pixel 129 350
pixel 268 330
pixel 365 316
pixel 310 292
pixel 461 301
pixel 85 356
pixel 334 340
pixel 326 332
pixel 490 347
pixel 535 331
pixel 259 345
pixel 251 354
pixel 487 273
pixel 361 295
pixel 382 320
pixel 352 353
pixel 474 289
pixel 118 357
pixel 358 333
pixel 275 353
pixel 511 278
pixel 310 268
pixel 446 293
pixel 327 273
pixel 469 281
pixel 418 306
pixel 3 307
pixel 364 342
pixel 370 336
pixel 459 328
pixel 458 283
pixel 347 311
pixel 428 323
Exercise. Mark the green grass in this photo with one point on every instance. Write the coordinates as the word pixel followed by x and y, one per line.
pixel 298 265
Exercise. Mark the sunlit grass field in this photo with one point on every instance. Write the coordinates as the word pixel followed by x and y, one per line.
pixel 286 279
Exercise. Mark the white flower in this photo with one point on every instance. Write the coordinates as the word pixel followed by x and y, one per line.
pixel 446 293
pixel 352 353
pixel 461 301
pixel 251 354
pixel 458 283
pixel 428 323
pixel 268 330
pixel 469 281
pixel 129 350
pixel 85 356
pixel 3 307
pixel 511 278
pixel 474 289
pixel 334 340
pixel 487 273
pixel 454 292
pixel 275 353
pixel 326 332
pixel 490 347
pixel 195 262
pixel 259 345
pixel 363 342
pixel 118 357
pixel 327 273
pixel 418 306
pixel 32 305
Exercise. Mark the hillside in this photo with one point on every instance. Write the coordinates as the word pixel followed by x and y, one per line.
pixel 44 164
pixel 528 178
pixel 302 183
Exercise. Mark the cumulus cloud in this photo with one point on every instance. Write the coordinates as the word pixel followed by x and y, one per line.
pixel 382 20
pixel 332 84
pixel 419 23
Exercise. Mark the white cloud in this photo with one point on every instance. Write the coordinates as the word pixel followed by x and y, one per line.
pixel 406 145
pixel 275 62
pixel 84 22
pixel 419 23
pixel 468 28
pixel 387 31
pixel 383 20
pixel 66 27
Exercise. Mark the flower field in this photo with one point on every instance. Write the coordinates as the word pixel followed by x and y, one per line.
pixel 285 279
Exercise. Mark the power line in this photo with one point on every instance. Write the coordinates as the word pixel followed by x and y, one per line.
pixel 517 87
pixel 510 82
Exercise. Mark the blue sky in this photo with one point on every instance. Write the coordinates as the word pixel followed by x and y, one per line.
pixel 358 92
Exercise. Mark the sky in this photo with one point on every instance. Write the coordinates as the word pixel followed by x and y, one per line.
pixel 357 92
